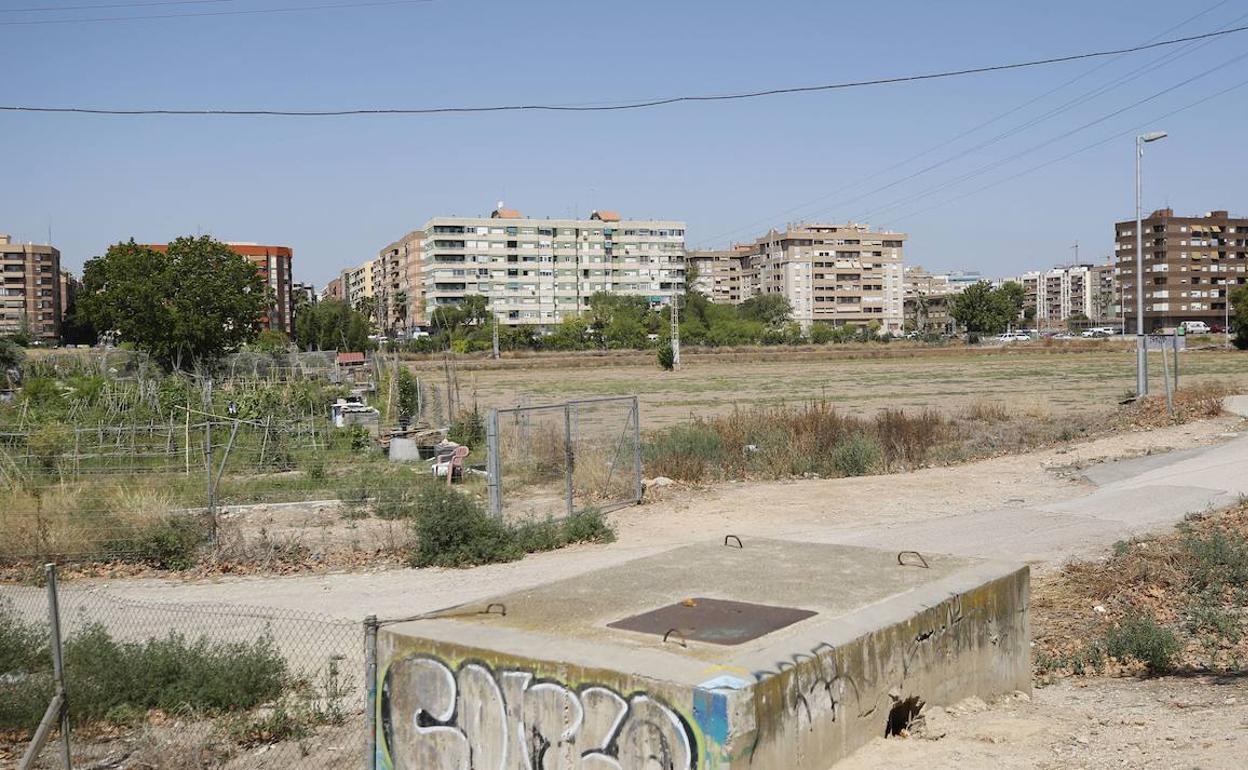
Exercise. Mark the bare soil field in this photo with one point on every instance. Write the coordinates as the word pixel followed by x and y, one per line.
pixel 1057 379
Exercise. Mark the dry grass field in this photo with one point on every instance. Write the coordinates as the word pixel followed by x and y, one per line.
pixel 1055 379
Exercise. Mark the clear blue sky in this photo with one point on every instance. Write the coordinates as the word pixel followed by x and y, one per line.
pixel 338 189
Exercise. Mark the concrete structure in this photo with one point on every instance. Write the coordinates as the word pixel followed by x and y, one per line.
pixel 838 274
pixel 31 300
pixel 687 659
pixel 1191 264
pixel 723 275
pixel 538 271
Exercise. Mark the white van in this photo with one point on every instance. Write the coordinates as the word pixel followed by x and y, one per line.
pixel 1195 327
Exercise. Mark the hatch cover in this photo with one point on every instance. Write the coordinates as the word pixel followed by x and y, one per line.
pixel 717 621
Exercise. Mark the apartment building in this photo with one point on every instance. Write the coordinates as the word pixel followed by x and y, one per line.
pixel 723 275
pixel 916 281
pixel 333 290
pixel 1053 297
pixel 539 271
pixel 1191 264
pixel 31 302
pixel 357 285
pixel 401 292
pixel 838 274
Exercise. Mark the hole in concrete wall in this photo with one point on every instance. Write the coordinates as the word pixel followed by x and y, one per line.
pixel 902 715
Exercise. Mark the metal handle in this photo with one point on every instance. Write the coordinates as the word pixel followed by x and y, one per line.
pixel 683 641
pixel 916 553
pixel 733 537
pixel 489 608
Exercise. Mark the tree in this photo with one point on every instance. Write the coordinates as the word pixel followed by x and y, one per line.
pixel 982 309
pixel 192 303
pixel 1239 317
pixel 331 325
pixel 769 309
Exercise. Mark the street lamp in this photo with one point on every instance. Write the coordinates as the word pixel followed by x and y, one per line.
pixel 1141 343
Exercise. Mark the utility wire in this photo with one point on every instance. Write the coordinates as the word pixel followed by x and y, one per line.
pixel 1000 116
pixel 620 107
pixel 250 12
pixel 997 164
pixel 61 8
pixel 1073 153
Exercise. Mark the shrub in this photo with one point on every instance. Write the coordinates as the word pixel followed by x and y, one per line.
pixel 468 429
pixel 1143 639
pixel 118 680
pixel 667 357
pixel 314 467
pixel 1218 559
pixel 857 455
pixel 23 646
pixel 684 452
pixel 589 526
pixel 48 443
pixel 170 543
pixel 453 530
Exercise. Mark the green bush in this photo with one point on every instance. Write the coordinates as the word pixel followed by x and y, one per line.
pixel 1144 640
pixel 112 680
pixel 453 530
pixel 171 543
pixel 1218 559
pixel 468 429
pixel 857 455
pixel 23 646
pixel 667 357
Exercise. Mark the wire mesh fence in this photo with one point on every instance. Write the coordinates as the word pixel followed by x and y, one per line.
pixel 181 685
pixel 564 459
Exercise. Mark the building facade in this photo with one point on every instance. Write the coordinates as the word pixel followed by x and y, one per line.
pixel 31 302
pixel 401 293
pixel 837 274
pixel 333 290
pixel 1191 264
pixel 1054 298
pixel 722 276
pixel 539 271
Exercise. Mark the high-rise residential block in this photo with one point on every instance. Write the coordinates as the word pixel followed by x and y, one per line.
pixel 401 292
pixel 722 275
pixel 31 301
pixel 1191 264
pixel 1052 298
pixel 539 271
pixel 837 274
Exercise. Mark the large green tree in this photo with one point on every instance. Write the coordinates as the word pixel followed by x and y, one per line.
pixel 769 309
pixel 982 309
pixel 331 325
pixel 190 304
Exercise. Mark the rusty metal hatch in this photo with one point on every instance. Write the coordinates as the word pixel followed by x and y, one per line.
pixel 716 621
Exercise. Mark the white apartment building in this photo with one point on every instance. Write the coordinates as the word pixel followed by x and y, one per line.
pixel 1063 292
pixel 837 274
pixel 539 271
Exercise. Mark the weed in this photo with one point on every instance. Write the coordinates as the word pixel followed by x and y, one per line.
pixel 1218 559
pixel 172 542
pixel 1145 640
pixel 856 456
pixel 589 526
pixel 468 429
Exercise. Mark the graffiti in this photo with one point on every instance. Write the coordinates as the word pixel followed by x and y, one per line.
pixel 434 718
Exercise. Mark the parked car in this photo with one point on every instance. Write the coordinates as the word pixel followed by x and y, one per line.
pixel 1195 327
pixel 1063 336
pixel 1014 337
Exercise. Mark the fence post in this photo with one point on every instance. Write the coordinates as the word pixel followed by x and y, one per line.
pixel 1165 377
pixel 1176 361
pixel 58 664
pixel 370 677
pixel 493 463
pixel 637 490
pixel 569 456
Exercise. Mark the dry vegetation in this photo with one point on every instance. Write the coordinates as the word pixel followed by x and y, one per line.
pixel 1173 602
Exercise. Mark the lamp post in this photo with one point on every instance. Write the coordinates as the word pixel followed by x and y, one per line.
pixel 1141 343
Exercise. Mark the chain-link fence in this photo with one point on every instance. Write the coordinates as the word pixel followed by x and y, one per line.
pixel 565 458
pixel 139 684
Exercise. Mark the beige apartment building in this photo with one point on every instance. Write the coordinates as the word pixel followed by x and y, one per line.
pixel 721 275
pixel 837 274
pixel 1191 264
pixel 32 290
pixel 1053 297
pixel 397 281
pixel 539 271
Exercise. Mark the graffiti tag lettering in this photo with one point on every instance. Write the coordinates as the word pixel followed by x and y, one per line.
pixel 434 718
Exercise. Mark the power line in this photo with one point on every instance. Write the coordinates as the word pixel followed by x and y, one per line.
pixel 618 107
pixel 250 12
pixel 997 164
pixel 1000 116
pixel 1073 153
pixel 62 8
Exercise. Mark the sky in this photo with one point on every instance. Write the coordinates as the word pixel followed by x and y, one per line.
pixel 941 160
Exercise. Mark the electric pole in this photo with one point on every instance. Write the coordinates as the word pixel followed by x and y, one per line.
pixel 676 331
